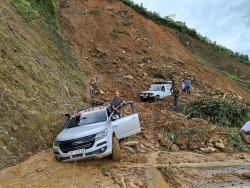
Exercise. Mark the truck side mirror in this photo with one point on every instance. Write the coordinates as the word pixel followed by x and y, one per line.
pixel 67 115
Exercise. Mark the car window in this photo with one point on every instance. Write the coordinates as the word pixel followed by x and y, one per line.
pixel 154 88
pixel 126 110
pixel 89 117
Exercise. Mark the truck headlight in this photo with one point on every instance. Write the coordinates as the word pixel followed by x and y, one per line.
pixel 141 95
pixel 152 94
pixel 56 144
pixel 101 135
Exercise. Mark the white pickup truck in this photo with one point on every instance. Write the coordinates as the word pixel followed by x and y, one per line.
pixel 157 91
pixel 94 133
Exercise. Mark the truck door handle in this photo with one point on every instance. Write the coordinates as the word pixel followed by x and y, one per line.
pixel 133 117
pixel 115 126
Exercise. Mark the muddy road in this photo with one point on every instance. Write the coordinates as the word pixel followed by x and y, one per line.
pixel 161 170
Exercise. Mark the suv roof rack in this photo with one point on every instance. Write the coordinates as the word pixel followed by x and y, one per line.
pixel 93 107
pixel 164 82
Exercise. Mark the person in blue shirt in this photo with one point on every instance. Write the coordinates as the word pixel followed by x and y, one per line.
pixel 188 85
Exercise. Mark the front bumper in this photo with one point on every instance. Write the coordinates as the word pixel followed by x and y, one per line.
pixel 100 149
pixel 147 97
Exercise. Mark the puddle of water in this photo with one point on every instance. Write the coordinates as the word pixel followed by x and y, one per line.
pixel 225 170
pixel 237 183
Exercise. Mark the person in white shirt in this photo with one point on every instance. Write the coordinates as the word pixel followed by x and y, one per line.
pixel 245 130
pixel 183 87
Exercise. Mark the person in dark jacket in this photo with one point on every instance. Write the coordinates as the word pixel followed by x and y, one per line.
pixel 176 97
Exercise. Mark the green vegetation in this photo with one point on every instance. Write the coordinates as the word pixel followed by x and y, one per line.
pixel 126 23
pixel 95 12
pixel 236 141
pixel 25 7
pixel 218 111
pixel 4 35
pixel 190 132
pixel 231 76
pixel 122 31
pixel 243 82
pixel 76 73
pixel 159 75
pixel 32 9
pixel 183 31
pixel 201 62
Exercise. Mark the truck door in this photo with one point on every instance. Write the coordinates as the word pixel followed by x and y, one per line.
pixel 128 124
pixel 168 87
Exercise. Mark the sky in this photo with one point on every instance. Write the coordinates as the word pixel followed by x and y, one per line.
pixel 225 21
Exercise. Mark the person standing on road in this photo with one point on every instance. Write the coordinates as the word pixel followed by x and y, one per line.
pixel 245 130
pixel 116 103
pixel 188 85
pixel 176 97
pixel 173 86
pixel 183 87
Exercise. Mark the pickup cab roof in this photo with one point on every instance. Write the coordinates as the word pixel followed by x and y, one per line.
pixel 164 82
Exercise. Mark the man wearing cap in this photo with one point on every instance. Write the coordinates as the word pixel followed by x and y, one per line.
pixel 245 130
pixel 115 103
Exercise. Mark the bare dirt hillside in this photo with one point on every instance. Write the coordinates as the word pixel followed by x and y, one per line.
pixel 40 80
pixel 103 46
pixel 123 48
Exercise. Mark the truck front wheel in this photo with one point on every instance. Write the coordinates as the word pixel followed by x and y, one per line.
pixel 116 152
pixel 156 98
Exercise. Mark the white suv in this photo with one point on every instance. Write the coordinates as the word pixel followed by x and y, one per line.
pixel 94 133
pixel 157 91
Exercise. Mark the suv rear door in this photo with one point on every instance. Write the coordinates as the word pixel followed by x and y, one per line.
pixel 128 124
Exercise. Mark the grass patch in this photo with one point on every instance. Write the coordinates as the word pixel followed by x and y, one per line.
pixel 231 76
pixel 169 75
pixel 33 9
pixel 126 23
pixel 77 75
pixel 95 12
pixel 26 8
pixel 4 35
pixel 190 132
pixel 201 62
pixel 159 75
pixel 122 32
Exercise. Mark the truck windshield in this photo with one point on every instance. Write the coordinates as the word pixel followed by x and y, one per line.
pixel 154 88
pixel 85 118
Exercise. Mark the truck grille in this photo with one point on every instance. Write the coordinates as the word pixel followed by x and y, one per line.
pixel 79 143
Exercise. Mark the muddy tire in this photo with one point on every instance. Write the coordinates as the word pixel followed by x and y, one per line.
pixel 116 152
pixel 57 159
pixel 156 98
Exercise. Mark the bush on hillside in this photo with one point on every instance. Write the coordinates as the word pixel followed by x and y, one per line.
pixel 218 111
pixel 159 75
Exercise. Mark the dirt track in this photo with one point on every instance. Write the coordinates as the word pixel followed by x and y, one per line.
pixel 180 169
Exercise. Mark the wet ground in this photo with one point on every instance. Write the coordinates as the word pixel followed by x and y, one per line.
pixel 162 169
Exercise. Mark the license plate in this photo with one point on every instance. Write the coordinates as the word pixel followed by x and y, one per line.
pixel 80 151
pixel 145 97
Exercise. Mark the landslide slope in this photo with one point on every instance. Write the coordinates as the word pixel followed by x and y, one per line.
pixel 41 78
pixel 124 51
